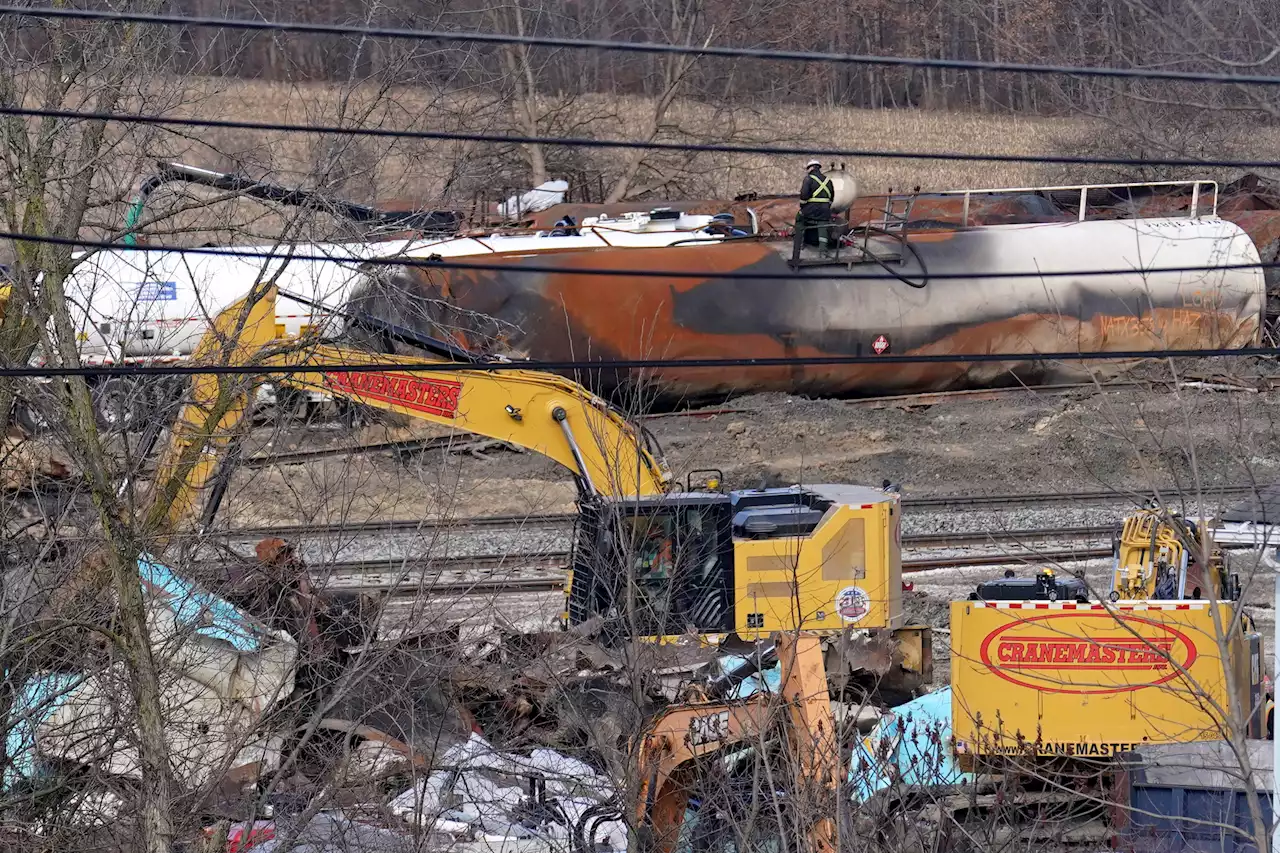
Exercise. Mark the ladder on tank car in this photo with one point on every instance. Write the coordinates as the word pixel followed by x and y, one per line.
pixel 854 246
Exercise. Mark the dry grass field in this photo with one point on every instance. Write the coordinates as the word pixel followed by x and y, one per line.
pixel 432 172
pixel 368 168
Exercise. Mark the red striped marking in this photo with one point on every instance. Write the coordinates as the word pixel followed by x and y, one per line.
pixel 1072 605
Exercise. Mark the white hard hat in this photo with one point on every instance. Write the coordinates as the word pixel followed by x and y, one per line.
pixel 811 164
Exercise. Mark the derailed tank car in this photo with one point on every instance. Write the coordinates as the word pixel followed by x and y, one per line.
pixel 938 289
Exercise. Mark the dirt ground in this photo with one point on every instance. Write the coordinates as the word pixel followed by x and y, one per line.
pixel 1123 438
pixel 1023 441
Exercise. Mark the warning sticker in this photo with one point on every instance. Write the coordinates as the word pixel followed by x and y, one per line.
pixel 853 603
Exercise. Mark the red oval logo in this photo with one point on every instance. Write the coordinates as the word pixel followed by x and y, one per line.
pixel 1105 657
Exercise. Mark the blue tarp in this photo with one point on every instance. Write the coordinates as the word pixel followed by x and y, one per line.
pixel 910 745
pixel 197 609
pixel 194 608
pixel 34 703
pixel 767 681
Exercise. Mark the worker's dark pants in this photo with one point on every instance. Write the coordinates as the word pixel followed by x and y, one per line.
pixel 815 223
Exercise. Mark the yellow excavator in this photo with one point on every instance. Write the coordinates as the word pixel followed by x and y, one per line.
pixel 651 561
pixel 1043 667
pixel 689 756
pixel 1160 555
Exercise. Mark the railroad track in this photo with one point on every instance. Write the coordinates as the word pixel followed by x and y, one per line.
pixel 1060 498
pixel 545 521
pixel 544 572
pixel 434 579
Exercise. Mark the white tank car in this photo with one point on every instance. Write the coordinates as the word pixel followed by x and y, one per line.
pixel 138 305
pixel 1093 286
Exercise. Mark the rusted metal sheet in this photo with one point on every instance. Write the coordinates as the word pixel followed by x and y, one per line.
pixel 812 312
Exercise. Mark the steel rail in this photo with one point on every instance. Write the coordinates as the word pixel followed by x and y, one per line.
pixel 545 572
pixel 541 521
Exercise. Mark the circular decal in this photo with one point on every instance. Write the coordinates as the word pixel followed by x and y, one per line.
pixel 853 603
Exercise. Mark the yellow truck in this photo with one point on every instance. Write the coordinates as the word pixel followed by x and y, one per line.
pixel 1096 679
pixel 1049 668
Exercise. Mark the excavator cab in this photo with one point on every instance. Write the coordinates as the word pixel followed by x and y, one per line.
pixel 675 549
pixel 819 558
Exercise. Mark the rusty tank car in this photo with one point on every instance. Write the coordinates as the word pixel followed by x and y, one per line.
pixel 922 286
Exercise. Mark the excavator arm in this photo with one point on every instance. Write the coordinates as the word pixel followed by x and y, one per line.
pixel 1158 555
pixel 539 411
pixel 671 746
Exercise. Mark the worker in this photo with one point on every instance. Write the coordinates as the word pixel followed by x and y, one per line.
pixel 816 195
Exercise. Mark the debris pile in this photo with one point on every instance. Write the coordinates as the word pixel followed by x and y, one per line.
pixel 282 696
pixel 479 793
pixel 326 832
pixel 30 461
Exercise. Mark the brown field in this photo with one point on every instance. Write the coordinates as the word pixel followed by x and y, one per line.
pixel 431 172
pixel 401 170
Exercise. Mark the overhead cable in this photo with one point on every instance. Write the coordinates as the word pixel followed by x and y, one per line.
pixel 520 266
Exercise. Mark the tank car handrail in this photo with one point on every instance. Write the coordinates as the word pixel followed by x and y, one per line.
pixel 1084 189
pixel 594 227
pixel 481 241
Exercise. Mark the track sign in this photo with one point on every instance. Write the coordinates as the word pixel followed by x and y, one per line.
pixel 880 345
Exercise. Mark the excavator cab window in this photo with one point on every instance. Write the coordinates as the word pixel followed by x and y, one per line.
pixel 657 567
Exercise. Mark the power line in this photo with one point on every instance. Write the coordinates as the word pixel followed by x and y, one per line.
pixel 625 144
pixel 308 28
pixel 627 364
pixel 631 272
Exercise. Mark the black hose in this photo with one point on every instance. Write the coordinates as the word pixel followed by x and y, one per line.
pixel 924 271
pixel 727 681
pixel 650 441
pixel 579 839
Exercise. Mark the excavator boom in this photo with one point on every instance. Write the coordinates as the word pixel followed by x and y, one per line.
pixel 671 746
pixel 538 411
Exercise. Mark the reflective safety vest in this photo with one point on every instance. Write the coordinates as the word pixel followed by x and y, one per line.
pixel 822 193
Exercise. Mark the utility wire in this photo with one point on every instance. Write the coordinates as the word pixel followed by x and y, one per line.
pixel 519 266
pixel 637 47
pixel 626 144
pixel 626 364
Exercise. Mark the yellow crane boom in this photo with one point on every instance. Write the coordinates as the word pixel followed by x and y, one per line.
pixel 539 411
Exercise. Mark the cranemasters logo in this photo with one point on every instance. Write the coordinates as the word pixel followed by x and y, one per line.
pixel 1089 653
pixel 433 396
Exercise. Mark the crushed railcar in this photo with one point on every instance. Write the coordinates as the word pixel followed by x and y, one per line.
pixel 898 284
